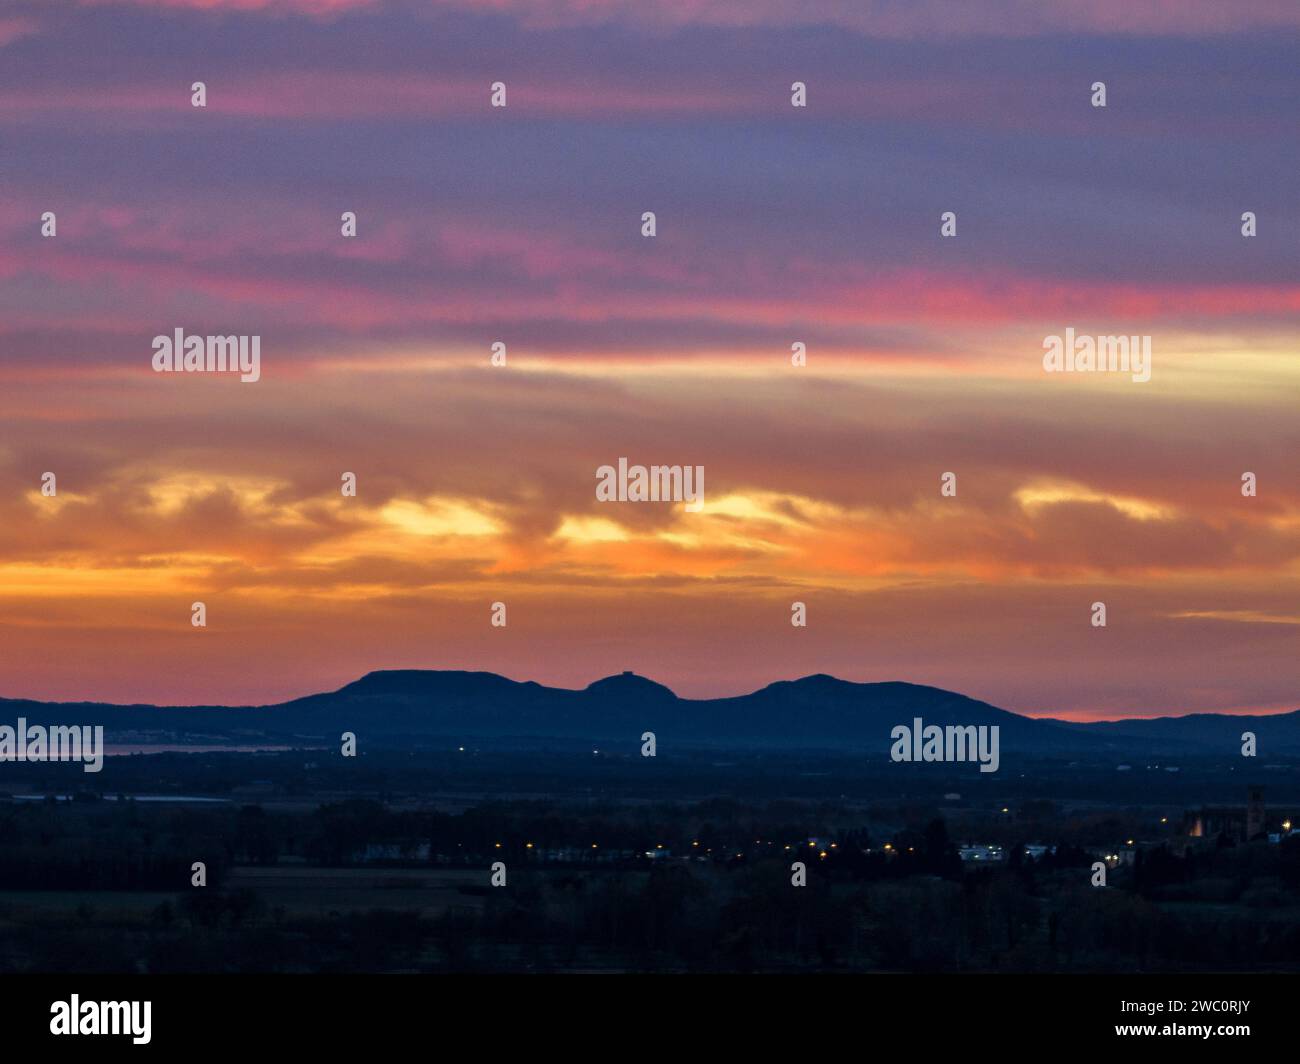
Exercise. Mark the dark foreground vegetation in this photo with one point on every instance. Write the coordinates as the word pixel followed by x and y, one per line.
pixel 388 865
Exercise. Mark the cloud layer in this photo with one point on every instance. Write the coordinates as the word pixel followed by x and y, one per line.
pixel 775 225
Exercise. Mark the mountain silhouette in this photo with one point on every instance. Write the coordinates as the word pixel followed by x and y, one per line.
pixel 428 708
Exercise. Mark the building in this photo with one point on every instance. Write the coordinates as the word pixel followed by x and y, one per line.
pixel 1234 822
pixel 982 854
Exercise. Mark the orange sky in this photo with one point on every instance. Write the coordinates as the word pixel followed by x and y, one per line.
pixel 477 483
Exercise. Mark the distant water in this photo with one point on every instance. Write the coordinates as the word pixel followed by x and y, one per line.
pixel 124 749
pixel 114 798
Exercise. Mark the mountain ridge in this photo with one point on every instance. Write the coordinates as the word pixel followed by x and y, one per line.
pixel 428 707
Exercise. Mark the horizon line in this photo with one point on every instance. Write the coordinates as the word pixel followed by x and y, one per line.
pixel 1066 719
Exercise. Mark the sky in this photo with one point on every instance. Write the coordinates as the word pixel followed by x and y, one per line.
pixel 775 225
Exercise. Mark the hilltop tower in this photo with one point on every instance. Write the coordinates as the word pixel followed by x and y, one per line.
pixel 1255 823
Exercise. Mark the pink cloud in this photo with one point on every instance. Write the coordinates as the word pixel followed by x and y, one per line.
pixel 293 7
pixel 916 18
pixel 17 27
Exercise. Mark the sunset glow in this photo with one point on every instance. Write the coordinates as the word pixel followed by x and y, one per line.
pixel 476 483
